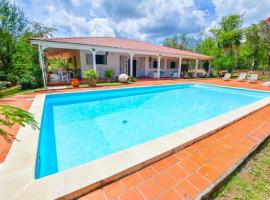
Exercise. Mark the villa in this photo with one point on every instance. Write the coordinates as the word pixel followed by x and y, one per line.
pixel 101 53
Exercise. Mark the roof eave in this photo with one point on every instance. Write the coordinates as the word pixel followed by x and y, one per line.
pixel 39 41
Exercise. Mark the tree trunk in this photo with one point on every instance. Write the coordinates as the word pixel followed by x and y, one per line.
pixel 268 59
pixel 237 57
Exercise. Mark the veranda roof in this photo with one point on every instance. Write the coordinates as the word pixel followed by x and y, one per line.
pixel 125 44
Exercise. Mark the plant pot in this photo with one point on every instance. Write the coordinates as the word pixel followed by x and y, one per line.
pixel 92 83
pixel 75 82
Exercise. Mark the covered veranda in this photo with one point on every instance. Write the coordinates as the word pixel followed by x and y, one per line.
pixel 148 60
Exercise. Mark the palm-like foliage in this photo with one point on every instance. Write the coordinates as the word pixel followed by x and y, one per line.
pixel 10 116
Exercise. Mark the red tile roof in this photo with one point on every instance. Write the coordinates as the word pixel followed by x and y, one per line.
pixel 125 44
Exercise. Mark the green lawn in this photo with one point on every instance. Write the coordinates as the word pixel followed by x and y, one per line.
pixel 98 84
pixel 15 90
pixel 251 181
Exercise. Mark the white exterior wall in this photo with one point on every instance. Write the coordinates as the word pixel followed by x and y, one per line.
pixel 113 62
pixel 169 60
pixel 148 65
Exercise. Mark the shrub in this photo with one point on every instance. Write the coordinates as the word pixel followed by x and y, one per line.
pixel 133 79
pixel 5 84
pixel 108 73
pixel 12 115
pixel 91 76
pixel 9 91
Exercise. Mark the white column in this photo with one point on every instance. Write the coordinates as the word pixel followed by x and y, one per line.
pixel 179 67
pixel 94 60
pixel 158 68
pixel 146 65
pixel 209 69
pixel 42 66
pixel 165 64
pixel 131 65
pixel 196 67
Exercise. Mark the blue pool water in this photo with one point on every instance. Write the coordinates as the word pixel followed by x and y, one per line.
pixel 80 127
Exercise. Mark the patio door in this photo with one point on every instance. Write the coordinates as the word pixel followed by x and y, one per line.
pixel 134 68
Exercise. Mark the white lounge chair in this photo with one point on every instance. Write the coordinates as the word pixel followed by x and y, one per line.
pixel 227 77
pixel 253 78
pixel 267 83
pixel 242 77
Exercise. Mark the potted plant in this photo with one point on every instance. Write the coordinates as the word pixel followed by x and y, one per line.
pixel 108 74
pixel 75 80
pixel 133 79
pixel 91 76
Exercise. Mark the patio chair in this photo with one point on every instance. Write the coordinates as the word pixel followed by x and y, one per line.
pixel 53 78
pixel 242 77
pixel 253 78
pixel 227 77
pixel 153 74
pixel 267 83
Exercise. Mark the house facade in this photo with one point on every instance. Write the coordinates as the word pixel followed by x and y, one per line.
pixel 135 58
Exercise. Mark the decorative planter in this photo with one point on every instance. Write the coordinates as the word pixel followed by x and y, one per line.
pixel 75 82
pixel 92 83
pixel 109 80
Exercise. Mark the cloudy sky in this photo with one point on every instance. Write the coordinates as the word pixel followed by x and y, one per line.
pixel 150 20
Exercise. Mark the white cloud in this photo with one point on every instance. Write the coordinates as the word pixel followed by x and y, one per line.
pixel 76 2
pixel 150 20
pixel 77 26
pixel 157 19
pixel 253 11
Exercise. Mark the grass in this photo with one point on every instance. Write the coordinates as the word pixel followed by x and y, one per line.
pixel 251 181
pixel 99 84
pixel 108 83
pixel 264 78
pixel 15 90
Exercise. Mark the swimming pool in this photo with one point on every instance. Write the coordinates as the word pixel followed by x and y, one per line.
pixel 80 127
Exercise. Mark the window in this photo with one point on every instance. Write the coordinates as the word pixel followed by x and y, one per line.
pixel 173 65
pixel 155 64
pixel 101 59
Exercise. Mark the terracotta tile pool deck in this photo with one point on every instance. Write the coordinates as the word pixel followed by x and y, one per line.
pixel 189 173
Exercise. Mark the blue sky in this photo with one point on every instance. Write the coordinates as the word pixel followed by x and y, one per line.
pixel 150 20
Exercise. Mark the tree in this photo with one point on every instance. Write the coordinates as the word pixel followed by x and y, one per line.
pixel 12 115
pixel 39 30
pixel 229 35
pixel 26 70
pixel 252 45
pixel 264 27
pixel 182 41
pixel 209 46
pixel 12 18
pixel 171 42
pixel 18 58
pixel 6 50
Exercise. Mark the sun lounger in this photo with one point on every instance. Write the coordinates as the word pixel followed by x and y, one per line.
pixel 242 77
pixel 267 83
pixel 227 77
pixel 253 78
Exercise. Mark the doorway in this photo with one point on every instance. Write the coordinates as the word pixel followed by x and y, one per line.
pixel 134 68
